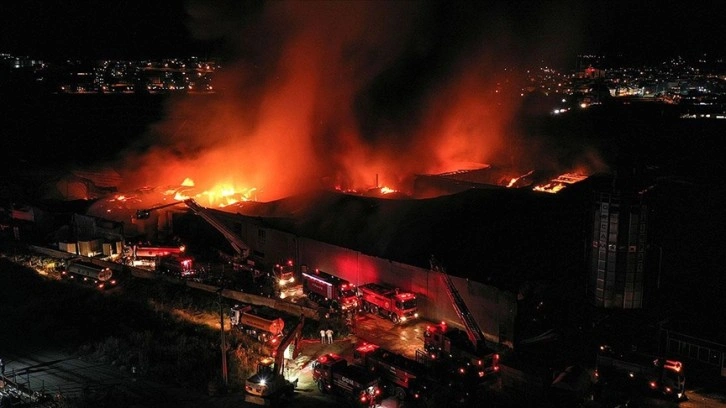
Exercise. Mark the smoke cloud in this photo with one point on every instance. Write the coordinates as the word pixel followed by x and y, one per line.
pixel 346 94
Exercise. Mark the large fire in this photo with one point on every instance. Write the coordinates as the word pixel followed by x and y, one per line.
pixel 335 95
pixel 220 195
pixel 322 110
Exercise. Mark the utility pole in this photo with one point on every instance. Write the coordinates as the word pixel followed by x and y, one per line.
pixel 223 343
pixel 660 265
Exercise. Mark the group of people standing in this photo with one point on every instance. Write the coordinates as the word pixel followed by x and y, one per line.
pixel 326 336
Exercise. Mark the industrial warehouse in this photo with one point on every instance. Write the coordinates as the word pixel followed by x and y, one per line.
pixel 257 264
pixel 535 281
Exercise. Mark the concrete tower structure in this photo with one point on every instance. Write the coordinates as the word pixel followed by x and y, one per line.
pixel 618 252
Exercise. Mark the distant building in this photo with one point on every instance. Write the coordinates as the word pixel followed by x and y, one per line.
pixel 591 73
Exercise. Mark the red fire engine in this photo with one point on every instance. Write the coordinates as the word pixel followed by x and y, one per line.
pixel 397 305
pixel 402 375
pixel 444 343
pixel 329 290
pixel 332 373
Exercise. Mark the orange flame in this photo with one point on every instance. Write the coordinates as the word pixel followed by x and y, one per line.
pixel 558 184
pixel 303 129
pixel 220 195
pixel 317 111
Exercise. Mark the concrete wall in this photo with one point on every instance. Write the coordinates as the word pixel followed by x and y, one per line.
pixel 493 309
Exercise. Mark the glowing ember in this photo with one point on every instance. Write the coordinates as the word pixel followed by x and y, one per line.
pixel 387 190
pixel 346 190
pixel 123 198
pixel 556 185
pixel 514 180
pixel 180 197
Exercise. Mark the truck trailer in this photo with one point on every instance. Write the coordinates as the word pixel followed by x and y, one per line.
pixel 355 383
pixel 263 328
pixel 393 303
pixel 156 251
pixel 87 272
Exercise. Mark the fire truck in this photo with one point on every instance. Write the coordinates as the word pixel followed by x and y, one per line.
pixel 388 301
pixel 460 346
pixel 148 256
pixel 275 281
pixel 284 273
pixel 176 265
pixel 452 347
pixel 403 377
pixel 87 272
pixel 657 374
pixel 263 328
pixel 156 251
pixel 332 373
pixel 249 266
pixel 269 384
pixel 329 290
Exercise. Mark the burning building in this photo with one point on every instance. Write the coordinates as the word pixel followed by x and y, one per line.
pixel 490 177
pixel 492 242
pixel 400 90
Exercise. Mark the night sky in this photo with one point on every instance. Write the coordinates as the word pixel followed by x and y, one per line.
pixel 135 29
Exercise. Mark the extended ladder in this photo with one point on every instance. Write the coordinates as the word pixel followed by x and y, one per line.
pixel 237 244
pixel 472 328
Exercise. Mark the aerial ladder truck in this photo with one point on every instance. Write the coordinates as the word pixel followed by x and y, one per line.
pixel 449 345
pixel 239 246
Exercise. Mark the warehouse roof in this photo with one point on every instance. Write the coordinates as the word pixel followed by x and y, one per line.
pixel 502 237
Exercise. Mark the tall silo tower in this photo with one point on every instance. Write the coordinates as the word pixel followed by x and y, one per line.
pixel 618 252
